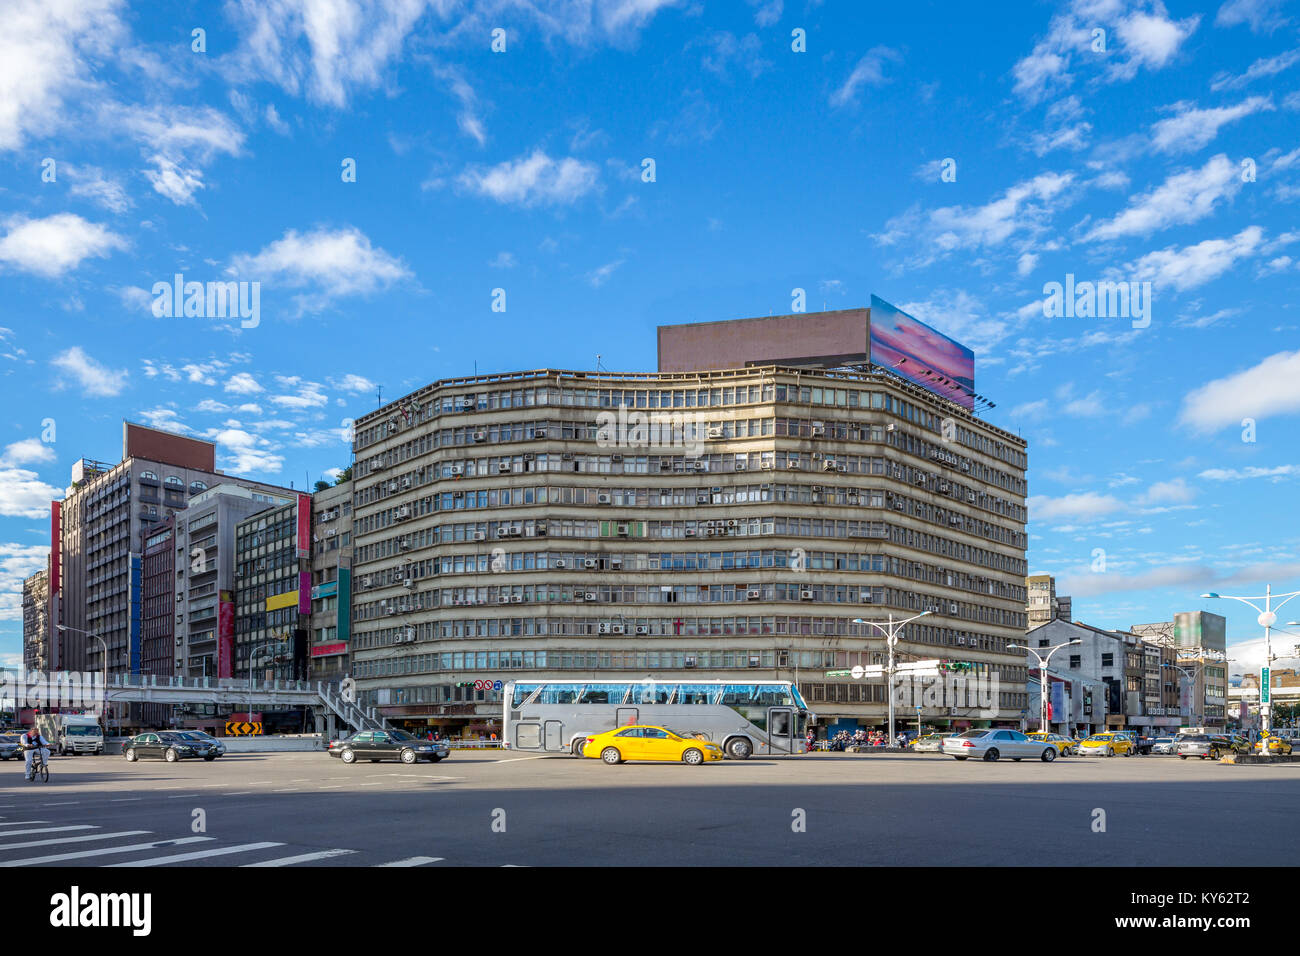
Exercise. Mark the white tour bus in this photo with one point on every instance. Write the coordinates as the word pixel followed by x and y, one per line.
pixel 765 717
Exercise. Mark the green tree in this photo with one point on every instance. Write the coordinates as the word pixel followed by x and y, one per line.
pixel 344 475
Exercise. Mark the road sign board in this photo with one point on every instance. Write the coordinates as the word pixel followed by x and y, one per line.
pixel 243 728
pixel 840 674
pixel 1265 685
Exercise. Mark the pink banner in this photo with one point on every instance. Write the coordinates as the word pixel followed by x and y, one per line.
pixel 320 650
pixel 304 526
pixel 226 634
pixel 304 592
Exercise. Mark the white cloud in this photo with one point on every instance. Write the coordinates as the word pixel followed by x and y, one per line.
pixel 333 263
pixel 468 118
pixel 48 53
pixel 1270 388
pixel 1030 409
pixel 93 378
pixel 19 561
pixel 1182 198
pixel 1276 473
pixel 354 383
pixel 56 244
pixel 24 495
pixel 176 141
pixel 308 396
pixel 242 383
pixel 244 452
pixel 534 180
pixel 1190 129
pixel 1196 265
pixel 1265 66
pixel 1262 15
pixel 598 277
pixel 870 70
pixel 274 121
pixel 504 260
pixel 1081 505
pixel 89 183
pixel 1174 492
pixel 165 418
pixel 27 451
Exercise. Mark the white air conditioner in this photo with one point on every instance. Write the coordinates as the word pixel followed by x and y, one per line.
pixel 456 470
pixel 618 629
pixel 516 531
pixel 828 465
pixel 689 662
pixel 766 466
pixel 404 511
pixel 700 465
pixel 970 496
pixel 665 465
pixel 602 499
pixel 616 564
pixel 180 641
pixel 465 404
pixel 503 531
pixel 615 457
pixel 378 464
pixel 516 599
pixel 561 565
pixel 623 530
pixel 642 629
pixel 539 433
pixel 408 582
pixel 900 504
pixel 589 563
pixel 540 528
pixel 566 457
pixel 753 594
pixel 480 535
pixel 890 428
pixel 701 499
pixel 530 457
pixel 503 466
pixel 690 532
pixel 603 627
pixel 390 610
pixel 731 522
pixel 793 465
pixel 805 595
pixel 818 431
pixel 589 596
pixel 742 465
pixel 961 641
pixel 965 466
pixel 866 597
pixel 715 432
pixel 404 545
pixel 392 486
pixel 952 608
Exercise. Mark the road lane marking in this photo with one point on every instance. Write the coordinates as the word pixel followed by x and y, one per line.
pixel 70 803
pixel 58 857
pixel 238 793
pixel 302 858
pixel 413 861
pixel 77 839
pixel 286 790
pixel 83 826
pixel 198 854
pixel 180 796
pixel 514 759
pixel 126 800
pixel 22 823
pixel 336 786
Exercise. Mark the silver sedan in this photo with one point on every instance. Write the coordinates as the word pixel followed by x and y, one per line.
pixel 995 744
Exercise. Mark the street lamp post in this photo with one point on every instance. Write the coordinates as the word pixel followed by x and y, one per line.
pixel 891 630
pixel 104 645
pixel 1189 675
pixel 1267 618
pixel 1042 677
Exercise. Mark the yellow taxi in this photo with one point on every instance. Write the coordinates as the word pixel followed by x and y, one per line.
pixel 1064 745
pixel 1273 745
pixel 647 742
pixel 1106 745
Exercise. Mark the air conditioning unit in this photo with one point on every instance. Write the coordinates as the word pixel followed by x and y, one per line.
pixel 715 432
pixel 701 499
pixel 566 457
pixel 390 611
pixel 603 627
pixel 828 465
pixel 616 564
pixel 961 641
pixel 392 486
pixel 408 582
pixel 891 428
pixel 944 486
pixel 589 596
pixel 540 528
pixel 642 629
pixel 805 595
pixel 965 466
pixel 379 464
pixel 503 531
pixel 465 404
pixel 561 565
pixel 755 661
pixel 952 608
pixel 766 465
pixel 900 504
pixel 530 457
pixel 623 530
pixel 516 599
pixel 742 465
pixel 480 535
pixel 753 594
pixel 539 432
pixel 503 466
pixel 615 457
pixel 456 470
pixel 970 496
pixel 618 629
pixel 365 582
pixel 732 522
pixel 690 532
pixel 689 662
pixel 818 431
pixel 408 636
pixel 180 642
pixel 392 425
pixel 404 545
pixel 866 597
pixel 589 563
pixel 516 531
pixel 404 511
pixel 793 465
pixel 480 436
pixel 665 465
pixel 602 499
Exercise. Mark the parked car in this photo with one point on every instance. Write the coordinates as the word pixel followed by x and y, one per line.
pixel 166 745
pixel 1273 746
pixel 994 744
pixel 9 746
pixel 929 744
pixel 1205 746
pixel 1106 744
pixel 1064 745
pixel 647 742
pixel 1162 745
pixel 218 748
pixel 377 745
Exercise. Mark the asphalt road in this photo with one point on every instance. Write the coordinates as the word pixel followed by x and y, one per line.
pixel 496 809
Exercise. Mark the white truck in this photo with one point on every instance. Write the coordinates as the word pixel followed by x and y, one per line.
pixel 71 733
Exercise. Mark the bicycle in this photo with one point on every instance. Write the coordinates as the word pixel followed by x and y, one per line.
pixel 40 768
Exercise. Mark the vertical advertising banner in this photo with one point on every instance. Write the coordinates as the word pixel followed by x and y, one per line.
pixel 304 526
pixel 226 634
pixel 1056 698
pixel 56 547
pixel 304 593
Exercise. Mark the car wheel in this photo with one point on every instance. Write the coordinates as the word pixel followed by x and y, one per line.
pixel 693 757
pixel 578 745
pixel 1182 756
pixel 171 755
pixel 210 757
pixel 348 756
pixel 739 748
pixel 131 755
pixel 991 755
pixel 1016 759
pixel 1107 752
pixel 408 755
pixel 611 756
pixel 1049 755
pixel 955 757
pixel 436 757
pixel 374 760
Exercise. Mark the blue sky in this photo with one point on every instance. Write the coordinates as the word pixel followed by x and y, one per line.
pixel 1104 139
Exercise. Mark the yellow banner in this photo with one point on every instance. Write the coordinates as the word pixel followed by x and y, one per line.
pixel 287 599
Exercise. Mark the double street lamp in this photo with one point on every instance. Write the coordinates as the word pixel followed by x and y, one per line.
pixel 1267 619
pixel 891 630
pixel 1189 675
pixel 1042 677
pixel 104 645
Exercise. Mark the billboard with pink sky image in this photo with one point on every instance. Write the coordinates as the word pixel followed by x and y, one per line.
pixel 919 354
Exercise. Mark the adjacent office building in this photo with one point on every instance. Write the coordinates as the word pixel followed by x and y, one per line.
pixel 273 592
pixel 729 516
pixel 1044 603
pixel 36 621
pixel 331 583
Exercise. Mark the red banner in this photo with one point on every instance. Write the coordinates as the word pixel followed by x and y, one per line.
pixel 226 634
pixel 320 650
pixel 304 526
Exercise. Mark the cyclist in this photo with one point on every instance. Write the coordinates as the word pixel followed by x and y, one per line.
pixel 31 741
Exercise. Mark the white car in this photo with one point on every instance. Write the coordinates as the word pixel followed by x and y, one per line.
pixel 995 744
pixel 929 744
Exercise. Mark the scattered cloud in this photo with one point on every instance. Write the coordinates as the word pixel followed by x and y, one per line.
pixel 93 378
pixel 869 71
pixel 52 246
pixel 1271 387
pixel 534 180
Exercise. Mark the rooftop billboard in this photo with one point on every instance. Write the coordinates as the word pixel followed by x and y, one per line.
pixel 910 348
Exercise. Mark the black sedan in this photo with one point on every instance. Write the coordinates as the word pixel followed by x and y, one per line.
pixel 377 745
pixel 218 748
pixel 10 746
pixel 166 745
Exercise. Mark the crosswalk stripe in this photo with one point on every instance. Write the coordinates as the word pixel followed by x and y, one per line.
pixel 76 839
pixel 82 826
pixel 302 858
pixel 81 854
pixel 413 861
pixel 198 854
